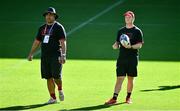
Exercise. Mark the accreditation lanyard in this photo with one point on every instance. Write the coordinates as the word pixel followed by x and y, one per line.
pixel 47 36
pixel 49 32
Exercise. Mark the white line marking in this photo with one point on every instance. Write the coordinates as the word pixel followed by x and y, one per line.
pixel 90 20
pixel 96 16
pixel 76 28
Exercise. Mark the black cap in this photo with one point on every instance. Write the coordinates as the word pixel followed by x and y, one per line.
pixel 51 10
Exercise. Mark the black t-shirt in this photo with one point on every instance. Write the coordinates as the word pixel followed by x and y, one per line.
pixel 135 35
pixel 51 49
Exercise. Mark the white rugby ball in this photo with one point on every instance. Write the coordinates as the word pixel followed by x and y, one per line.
pixel 124 39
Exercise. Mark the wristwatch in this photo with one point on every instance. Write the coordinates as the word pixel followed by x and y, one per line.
pixel 64 55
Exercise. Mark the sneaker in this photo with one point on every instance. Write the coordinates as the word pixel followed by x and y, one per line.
pixel 128 100
pixel 110 102
pixel 51 101
pixel 61 95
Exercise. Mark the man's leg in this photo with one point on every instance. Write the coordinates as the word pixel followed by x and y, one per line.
pixel 59 85
pixel 130 85
pixel 117 89
pixel 118 86
pixel 51 87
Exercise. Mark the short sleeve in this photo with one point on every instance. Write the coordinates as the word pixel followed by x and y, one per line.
pixel 38 36
pixel 118 37
pixel 61 33
pixel 139 37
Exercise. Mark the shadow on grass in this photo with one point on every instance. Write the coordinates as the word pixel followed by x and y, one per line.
pixel 162 88
pixel 23 107
pixel 97 107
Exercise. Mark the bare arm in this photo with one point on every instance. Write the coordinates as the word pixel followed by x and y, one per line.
pixel 116 45
pixel 35 46
pixel 137 46
pixel 63 49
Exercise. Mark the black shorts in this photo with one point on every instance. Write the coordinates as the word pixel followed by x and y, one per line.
pixel 127 66
pixel 50 68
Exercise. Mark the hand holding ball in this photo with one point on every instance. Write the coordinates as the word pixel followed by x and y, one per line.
pixel 124 39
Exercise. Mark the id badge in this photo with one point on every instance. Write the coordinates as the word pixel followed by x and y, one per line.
pixel 46 39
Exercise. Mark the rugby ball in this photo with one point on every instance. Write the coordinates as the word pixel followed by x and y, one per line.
pixel 124 39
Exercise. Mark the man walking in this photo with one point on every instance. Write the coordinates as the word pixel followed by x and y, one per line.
pixel 52 38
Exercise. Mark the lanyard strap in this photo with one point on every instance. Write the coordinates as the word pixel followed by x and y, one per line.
pixel 49 32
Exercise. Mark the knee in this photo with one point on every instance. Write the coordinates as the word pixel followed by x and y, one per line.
pixel 120 79
pixel 50 80
pixel 57 80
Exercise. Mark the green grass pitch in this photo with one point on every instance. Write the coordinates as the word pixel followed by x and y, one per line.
pixel 89 74
pixel 88 86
